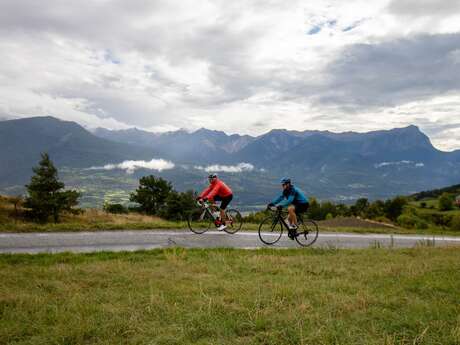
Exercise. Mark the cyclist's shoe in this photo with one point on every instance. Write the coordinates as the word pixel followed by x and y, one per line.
pixel 293 227
pixel 222 227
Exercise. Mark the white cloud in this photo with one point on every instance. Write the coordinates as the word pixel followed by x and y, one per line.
pixel 241 167
pixel 237 66
pixel 399 163
pixel 131 166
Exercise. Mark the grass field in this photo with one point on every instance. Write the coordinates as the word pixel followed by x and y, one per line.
pixel 178 296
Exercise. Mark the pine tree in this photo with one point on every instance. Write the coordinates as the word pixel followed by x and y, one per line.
pixel 46 196
pixel 151 194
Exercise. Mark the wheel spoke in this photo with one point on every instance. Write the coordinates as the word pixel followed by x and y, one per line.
pixel 270 230
pixel 234 221
pixel 307 233
pixel 199 221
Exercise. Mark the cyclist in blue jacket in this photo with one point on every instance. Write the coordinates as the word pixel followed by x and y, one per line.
pixel 294 199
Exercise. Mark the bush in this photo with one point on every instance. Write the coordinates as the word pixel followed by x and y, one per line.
pixel 177 205
pixel 445 202
pixel 412 221
pixel 438 219
pixel 375 210
pixel 393 208
pixel 407 221
pixel 455 223
pixel 423 204
pixel 314 211
pixel 256 217
pixel 115 208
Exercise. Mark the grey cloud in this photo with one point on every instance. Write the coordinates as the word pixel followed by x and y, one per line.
pixel 433 128
pixel 116 27
pixel 424 8
pixel 394 72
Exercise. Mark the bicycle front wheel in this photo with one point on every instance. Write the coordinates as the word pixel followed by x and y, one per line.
pixel 234 221
pixel 270 230
pixel 199 221
pixel 307 233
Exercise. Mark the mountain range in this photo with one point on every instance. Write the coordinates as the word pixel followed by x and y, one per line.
pixel 339 166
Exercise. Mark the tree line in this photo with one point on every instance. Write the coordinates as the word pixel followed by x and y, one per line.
pixel 47 197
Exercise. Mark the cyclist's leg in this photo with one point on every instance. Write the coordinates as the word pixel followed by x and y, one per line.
pixel 292 215
pixel 217 198
pixel 301 209
pixel 223 206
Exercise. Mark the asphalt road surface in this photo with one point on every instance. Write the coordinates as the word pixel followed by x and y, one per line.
pixel 141 240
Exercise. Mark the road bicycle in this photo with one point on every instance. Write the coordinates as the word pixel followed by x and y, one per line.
pixel 202 218
pixel 272 227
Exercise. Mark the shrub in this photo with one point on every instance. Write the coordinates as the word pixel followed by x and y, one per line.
pixel 412 221
pixel 376 209
pixel 407 221
pixel 178 205
pixel 393 208
pixel 423 204
pixel 115 208
pixel 455 223
pixel 445 202
pixel 256 217
pixel 421 224
pixel 314 211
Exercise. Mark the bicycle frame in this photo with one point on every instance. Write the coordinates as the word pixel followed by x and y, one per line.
pixel 279 216
pixel 206 206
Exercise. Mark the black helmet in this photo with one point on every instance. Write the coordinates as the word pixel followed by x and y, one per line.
pixel 285 180
pixel 211 176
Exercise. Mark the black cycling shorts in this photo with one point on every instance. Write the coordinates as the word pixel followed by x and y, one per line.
pixel 225 201
pixel 301 208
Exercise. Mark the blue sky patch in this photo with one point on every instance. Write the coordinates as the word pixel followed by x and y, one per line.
pixel 314 30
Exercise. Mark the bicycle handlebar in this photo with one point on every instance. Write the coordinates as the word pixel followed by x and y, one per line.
pixel 205 204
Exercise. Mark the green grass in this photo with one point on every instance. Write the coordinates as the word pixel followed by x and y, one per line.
pixel 222 296
pixel 434 203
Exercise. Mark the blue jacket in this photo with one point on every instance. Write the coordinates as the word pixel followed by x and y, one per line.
pixel 292 195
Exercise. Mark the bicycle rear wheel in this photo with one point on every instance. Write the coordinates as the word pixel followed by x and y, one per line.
pixel 199 221
pixel 270 230
pixel 234 221
pixel 307 233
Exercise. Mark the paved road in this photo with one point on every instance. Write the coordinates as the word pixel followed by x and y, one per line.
pixel 137 240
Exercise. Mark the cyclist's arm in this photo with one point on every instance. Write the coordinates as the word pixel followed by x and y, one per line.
pixel 205 192
pixel 288 201
pixel 277 200
pixel 213 192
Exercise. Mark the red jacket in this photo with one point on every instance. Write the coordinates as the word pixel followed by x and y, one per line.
pixel 216 188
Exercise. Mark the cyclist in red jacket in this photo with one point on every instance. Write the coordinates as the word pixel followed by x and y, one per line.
pixel 218 191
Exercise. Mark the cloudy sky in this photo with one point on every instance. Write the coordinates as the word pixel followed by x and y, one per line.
pixel 240 66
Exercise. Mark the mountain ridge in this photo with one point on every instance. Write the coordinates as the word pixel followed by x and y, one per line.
pixel 339 166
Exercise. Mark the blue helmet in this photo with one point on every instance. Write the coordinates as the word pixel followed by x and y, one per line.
pixel 285 180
